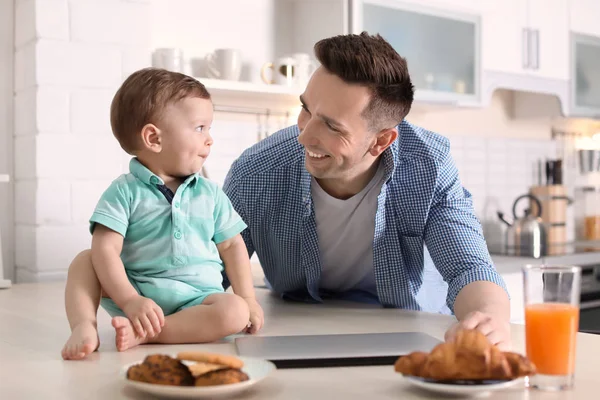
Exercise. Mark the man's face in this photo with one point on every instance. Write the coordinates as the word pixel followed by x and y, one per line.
pixel 333 132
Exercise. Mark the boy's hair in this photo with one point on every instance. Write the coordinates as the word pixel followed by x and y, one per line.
pixel 371 61
pixel 142 99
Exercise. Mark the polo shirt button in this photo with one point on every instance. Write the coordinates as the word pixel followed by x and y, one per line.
pixel 154 180
pixel 176 204
pixel 177 235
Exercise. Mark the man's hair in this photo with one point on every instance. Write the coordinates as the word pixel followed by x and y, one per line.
pixel 142 99
pixel 369 60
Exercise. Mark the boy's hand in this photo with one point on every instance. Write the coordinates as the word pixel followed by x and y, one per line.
pixel 145 315
pixel 256 316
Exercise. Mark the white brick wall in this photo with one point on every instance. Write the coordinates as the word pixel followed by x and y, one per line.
pixel 42 109
pixel 77 64
pixel 70 57
pixel 89 22
pixel 90 111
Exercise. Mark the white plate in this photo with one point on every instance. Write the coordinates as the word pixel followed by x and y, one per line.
pixel 462 389
pixel 256 369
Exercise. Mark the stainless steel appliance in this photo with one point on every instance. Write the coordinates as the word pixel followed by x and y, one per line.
pixel 526 236
pixel 589 316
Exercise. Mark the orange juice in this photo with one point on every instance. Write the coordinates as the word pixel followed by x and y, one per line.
pixel 550 330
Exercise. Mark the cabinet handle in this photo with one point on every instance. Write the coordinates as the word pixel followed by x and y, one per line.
pixel 525 48
pixel 535 48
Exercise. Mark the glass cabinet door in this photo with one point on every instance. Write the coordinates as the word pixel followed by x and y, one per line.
pixel 585 71
pixel 441 47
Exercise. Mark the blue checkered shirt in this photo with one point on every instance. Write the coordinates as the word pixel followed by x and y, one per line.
pixel 428 243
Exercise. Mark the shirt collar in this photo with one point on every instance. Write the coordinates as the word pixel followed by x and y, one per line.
pixel 389 159
pixel 138 170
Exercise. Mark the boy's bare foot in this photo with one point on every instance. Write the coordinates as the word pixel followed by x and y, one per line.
pixel 82 342
pixel 125 336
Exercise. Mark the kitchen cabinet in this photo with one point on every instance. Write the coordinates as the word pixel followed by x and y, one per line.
pixel 584 15
pixel 585 58
pixel 460 51
pixel 585 81
pixel 442 47
pixel 526 37
pixel 302 23
pixel 440 39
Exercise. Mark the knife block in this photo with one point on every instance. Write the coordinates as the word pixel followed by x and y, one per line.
pixel 554 202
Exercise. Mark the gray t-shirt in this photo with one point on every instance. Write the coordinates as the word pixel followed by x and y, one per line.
pixel 345 229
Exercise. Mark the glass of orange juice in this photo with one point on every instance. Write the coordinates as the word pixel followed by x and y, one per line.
pixel 551 323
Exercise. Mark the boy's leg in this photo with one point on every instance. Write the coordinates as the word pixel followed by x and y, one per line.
pixel 219 315
pixel 82 297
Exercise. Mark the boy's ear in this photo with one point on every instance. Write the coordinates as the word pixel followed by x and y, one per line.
pixel 152 138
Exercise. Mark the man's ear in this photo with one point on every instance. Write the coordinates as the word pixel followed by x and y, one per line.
pixel 152 138
pixel 384 139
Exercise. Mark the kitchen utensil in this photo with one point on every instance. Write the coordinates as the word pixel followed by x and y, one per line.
pixel 224 64
pixel 305 66
pixel 282 71
pixel 170 59
pixel 558 172
pixel 549 172
pixel 526 236
pixel 587 213
pixel 589 160
pixel 554 172
pixel 554 202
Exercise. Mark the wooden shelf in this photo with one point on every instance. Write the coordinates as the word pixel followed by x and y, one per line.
pixel 264 95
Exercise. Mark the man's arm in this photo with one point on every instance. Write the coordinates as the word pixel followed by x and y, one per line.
pixel 236 197
pixel 484 306
pixel 453 235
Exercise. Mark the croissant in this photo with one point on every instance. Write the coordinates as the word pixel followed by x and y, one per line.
pixel 470 356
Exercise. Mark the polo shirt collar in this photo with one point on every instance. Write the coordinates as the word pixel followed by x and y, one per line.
pixel 138 170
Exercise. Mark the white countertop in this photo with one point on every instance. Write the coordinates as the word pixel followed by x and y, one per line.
pixel 33 329
pixel 513 264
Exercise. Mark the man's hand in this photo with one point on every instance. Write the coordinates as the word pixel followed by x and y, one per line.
pixel 145 315
pixel 256 316
pixel 496 329
pixel 483 306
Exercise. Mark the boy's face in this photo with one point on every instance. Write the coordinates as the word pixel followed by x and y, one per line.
pixel 185 137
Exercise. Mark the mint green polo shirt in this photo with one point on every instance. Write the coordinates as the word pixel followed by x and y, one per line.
pixel 169 247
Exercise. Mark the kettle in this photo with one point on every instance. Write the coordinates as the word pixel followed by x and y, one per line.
pixel 527 235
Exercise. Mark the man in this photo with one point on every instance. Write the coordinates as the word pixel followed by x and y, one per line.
pixel 352 201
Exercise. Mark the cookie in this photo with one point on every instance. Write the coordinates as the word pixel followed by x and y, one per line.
pixel 225 376
pixel 161 370
pixel 202 368
pixel 212 358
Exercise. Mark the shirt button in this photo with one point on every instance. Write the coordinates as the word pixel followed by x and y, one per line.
pixel 154 180
pixel 176 204
pixel 177 235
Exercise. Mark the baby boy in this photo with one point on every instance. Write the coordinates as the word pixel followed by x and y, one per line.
pixel 162 234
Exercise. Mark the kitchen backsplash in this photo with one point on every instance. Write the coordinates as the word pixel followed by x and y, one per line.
pixel 496 170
